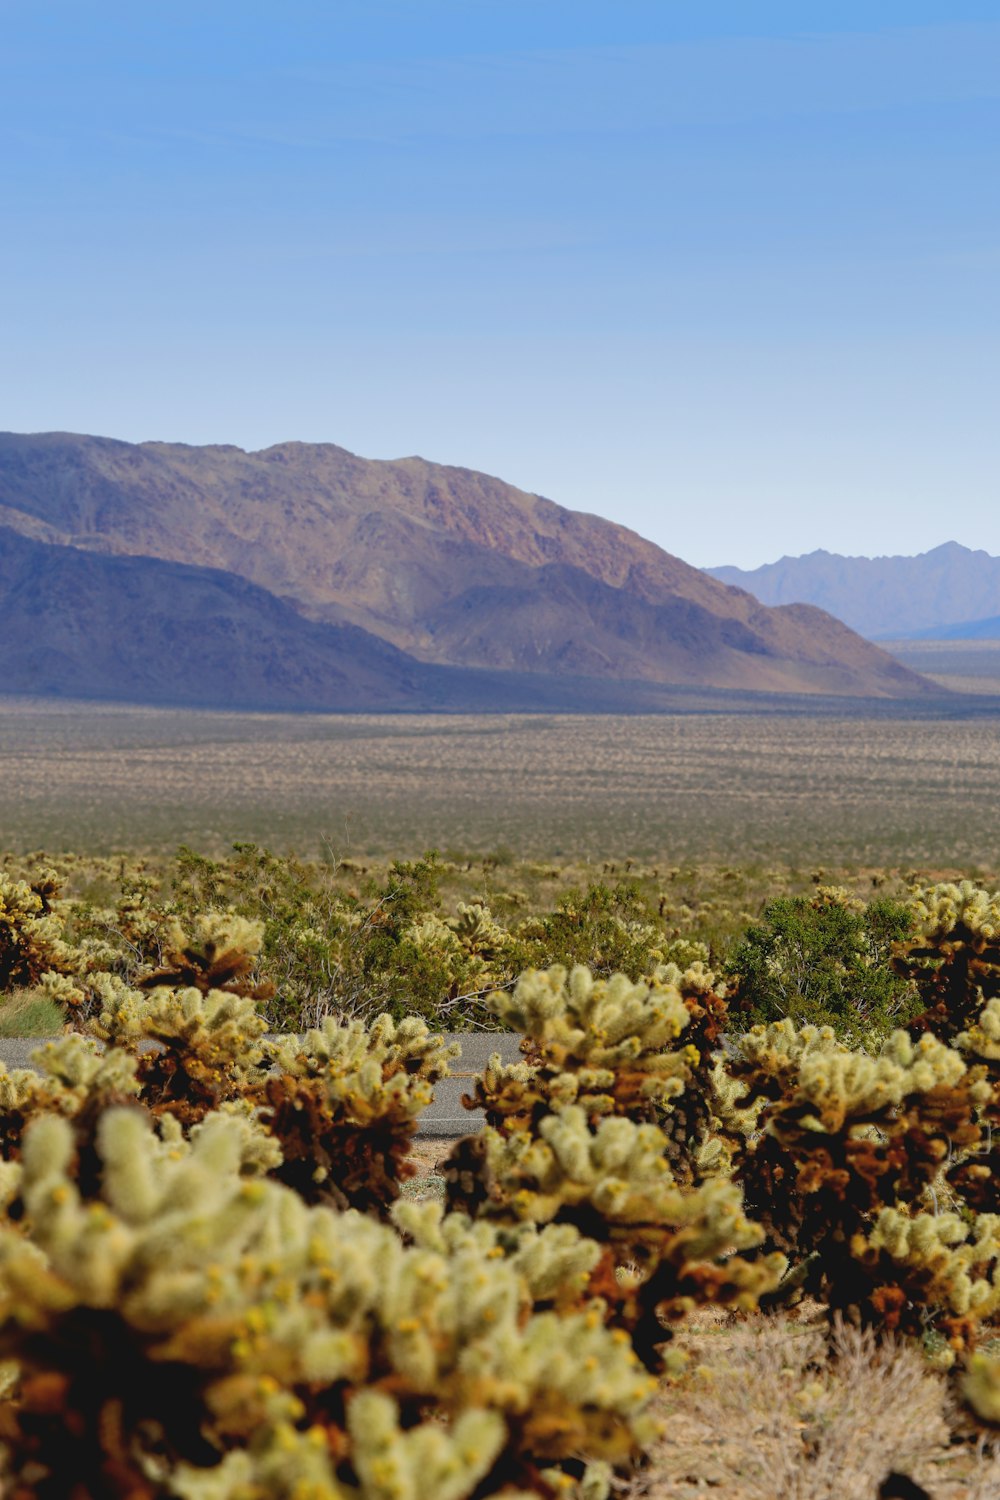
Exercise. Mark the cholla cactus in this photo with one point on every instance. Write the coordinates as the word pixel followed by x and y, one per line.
pixel 775 1051
pixel 933 1264
pixel 207 1049
pixel 555 1262
pixel 477 931
pixel 427 1463
pixel 218 954
pixel 954 955
pixel 976 1177
pixel 844 1136
pixel 345 1104
pixel 189 1314
pixel 71 1078
pixel 981 1386
pixel 609 1047
pixel 31 935
pixel 206 1037
pixel 667 1249
pixel 470 951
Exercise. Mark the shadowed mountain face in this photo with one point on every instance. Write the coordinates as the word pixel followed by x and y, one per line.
pixel 885 598
pixel 79 624
pixel 452 567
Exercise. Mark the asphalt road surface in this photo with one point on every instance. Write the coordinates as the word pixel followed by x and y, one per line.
pixel 444 1118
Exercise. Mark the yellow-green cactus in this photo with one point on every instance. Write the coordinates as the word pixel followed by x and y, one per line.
pixel 840 1085
pixel 477 931
pixel 429 1462
pixel 208 1045
pixel 844 1136
pixel 77 1064
pixel 766 1059
pixel 934 1264
pixel 611 1047
pixel 400 1050
pixel 344 1104
pixel 72 1078
pixel 186 1311
pixel 31 934
pixel 603 1022
pixel 555 1262
pixel 953 955
pixel 940 910
pixel 680 1247
pixel 217 950
pixel 982 1039
pixel 981 1386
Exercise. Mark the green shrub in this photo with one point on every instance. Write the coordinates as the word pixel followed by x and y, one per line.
pixel 824 961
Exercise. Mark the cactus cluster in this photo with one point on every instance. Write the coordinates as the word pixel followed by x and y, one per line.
pixel 344 1102
pixel 211 1286
pixel 953 957
pixel 31 935
pixel 641 1050
pixel 184 1323
pixel 667 1249
pixel 844 1135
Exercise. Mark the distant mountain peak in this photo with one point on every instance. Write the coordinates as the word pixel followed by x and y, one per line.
pixel 884 598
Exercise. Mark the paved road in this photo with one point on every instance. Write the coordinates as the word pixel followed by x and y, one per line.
pixel 444 1118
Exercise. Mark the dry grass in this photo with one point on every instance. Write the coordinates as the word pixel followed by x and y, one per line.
pixel 768 1412
pixel 705 787
pixel 427 1156
pixel 27 1013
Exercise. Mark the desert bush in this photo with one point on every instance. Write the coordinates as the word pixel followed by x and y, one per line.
pixel 779 1410
pixel 824 961
pixel 610 929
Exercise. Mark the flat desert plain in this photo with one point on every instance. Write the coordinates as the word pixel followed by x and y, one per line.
pixel 714 786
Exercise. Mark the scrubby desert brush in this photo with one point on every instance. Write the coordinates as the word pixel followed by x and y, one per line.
pixel 825 960
pixel 775 1409
pixel 388 942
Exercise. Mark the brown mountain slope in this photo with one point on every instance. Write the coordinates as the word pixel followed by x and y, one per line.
pixel 85 625
pixel 450 565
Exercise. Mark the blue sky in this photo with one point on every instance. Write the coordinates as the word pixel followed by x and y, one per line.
pixel 726 273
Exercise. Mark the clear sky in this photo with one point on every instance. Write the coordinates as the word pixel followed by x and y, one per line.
pixel 725 272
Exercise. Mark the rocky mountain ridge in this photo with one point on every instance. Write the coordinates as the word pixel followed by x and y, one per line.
pixel 452 568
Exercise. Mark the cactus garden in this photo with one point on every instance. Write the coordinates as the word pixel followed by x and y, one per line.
pixel 730 1221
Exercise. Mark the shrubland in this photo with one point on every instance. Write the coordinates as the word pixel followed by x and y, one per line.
pixel 216 1282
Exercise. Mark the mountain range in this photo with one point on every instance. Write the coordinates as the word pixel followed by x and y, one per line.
pixel 949 593
pixel 305 576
